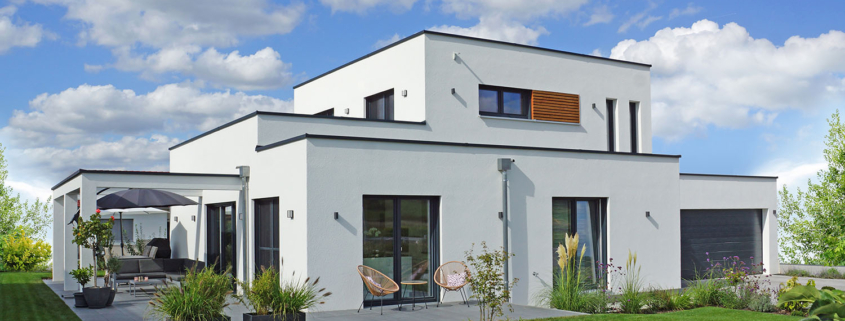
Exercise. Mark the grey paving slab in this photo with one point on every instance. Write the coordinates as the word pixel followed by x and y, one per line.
pixel 131 308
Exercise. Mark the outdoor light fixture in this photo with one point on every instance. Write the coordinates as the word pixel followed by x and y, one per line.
pixel 176 219
pixel 336 215
pixel 775 212
pixel 647 214
pixel 346 111
pixel 193 218
pixel 594 106
pixel 453 91
pixel 500 215
pixel 290 214
pixel 404 93
pixel 455 56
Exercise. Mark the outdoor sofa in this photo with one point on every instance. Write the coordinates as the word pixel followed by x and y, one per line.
pixel 172 269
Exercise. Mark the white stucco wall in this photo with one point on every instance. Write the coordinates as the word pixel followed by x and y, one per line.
pixel 469 186
pixel 737 192
pixel 400 68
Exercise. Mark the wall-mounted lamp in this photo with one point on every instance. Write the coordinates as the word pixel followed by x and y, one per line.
pixel 453 91
pixel 193 218
pixel 536 274
pixel 290 214
pixel 336 215
pixel 774 212
pixel 176 219
pixel 594 106
pixel 346 111
pixel 500 215
pixel 647 214
pixel 404 93
pixel 455 56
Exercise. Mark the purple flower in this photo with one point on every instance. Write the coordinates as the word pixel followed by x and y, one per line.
pixel 707 253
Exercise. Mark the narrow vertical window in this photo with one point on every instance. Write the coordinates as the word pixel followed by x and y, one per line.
pixel 611 126
pixel 380 106
pixel 635 128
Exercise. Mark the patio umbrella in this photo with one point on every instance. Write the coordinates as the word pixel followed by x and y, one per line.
pixel 141 197
pixel 140 210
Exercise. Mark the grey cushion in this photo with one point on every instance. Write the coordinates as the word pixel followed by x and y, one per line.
pixel 146 251
pixel 129 266
pixel 153 250
pixel 151 266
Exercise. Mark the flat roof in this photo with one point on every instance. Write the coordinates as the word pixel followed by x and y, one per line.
pixel 463 37
pixel 728 175
pixel 104 171
pixel 456 144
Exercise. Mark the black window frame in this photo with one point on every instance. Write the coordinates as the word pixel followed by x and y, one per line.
pixel 276 230
pixel 610 114
pixel 526 101
pixel 633 109
pixel 388 112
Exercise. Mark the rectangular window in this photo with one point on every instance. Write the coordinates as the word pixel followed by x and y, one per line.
pixel 610 114
pixel 503 102
pixel 127 225
pixel 267 234
pixel 635 128
pixel 585 217
pixel 380 106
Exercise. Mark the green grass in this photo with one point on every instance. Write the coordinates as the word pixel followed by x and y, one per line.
pixel 716 314
pixel 23 296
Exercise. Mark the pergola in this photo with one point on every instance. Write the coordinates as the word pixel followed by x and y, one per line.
pixel 86 186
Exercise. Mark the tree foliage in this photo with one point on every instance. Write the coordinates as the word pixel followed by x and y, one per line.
pixel 14 212
pixel 812 222
pixel 18 252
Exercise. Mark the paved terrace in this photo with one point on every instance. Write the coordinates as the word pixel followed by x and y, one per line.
pixel 131 308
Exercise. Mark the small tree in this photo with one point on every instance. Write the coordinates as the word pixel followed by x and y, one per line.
pixel 94 234
pixel 488 283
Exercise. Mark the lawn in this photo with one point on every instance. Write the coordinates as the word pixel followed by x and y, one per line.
pixel 694 314
pixel 23 296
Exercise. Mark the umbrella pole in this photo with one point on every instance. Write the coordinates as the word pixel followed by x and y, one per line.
pixel 121 234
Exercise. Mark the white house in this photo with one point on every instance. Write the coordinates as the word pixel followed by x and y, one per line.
pixel 393 161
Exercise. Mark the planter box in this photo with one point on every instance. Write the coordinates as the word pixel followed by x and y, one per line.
pixel 222 318
pixel 79 300
pixel 96 297
pixel 111 297
pixel 269 317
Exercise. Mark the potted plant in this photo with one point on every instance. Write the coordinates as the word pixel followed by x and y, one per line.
pixel 82 276
pixel 201 295
pixel 94 234
pixel 113 265
pixel 270 299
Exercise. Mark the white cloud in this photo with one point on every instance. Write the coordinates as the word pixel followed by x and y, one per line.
pixel 792 174
pixel 691 9
pixel 361 6
pixel 262 70
pixel 641 19
pixel 384 42
pixel 601 14
pixel 160 24
pixel 706 75
pixel 30 192
pixel 18 34
pixel 596 52
pixel 505 19
pixel 496 29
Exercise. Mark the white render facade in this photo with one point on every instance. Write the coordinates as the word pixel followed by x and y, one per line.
pixel 325 173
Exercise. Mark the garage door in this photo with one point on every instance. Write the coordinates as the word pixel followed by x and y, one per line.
pixel 722 233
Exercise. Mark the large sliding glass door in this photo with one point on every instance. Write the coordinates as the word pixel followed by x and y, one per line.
pixel 267 234
pixel 587 218
pixel 400 238
pixel 220 239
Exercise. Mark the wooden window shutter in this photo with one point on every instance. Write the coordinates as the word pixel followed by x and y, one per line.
pixel 552 106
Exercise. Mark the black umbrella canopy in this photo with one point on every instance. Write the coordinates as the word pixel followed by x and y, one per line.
pixel 141 197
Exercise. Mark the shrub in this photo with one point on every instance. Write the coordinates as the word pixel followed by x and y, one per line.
pixel 798 272
pixel 82 275
pixel 793 306
pixel 705 292
pixel 201 295
pixel 266 295
pixel 595 302
pixel 488 284
pixel 631 298
pixel 668 300
pixel 567 289
pixel 825 304
pixel 830 273
pixel 730 299
pixel 19 252
pixel 761 303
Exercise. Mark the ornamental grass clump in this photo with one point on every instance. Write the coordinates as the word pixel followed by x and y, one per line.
pixel 567 291
pixel 267 295
pixel 631 298
pixel 201 295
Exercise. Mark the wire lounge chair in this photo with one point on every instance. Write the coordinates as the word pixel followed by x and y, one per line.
pixel 378 285
pixel 459 273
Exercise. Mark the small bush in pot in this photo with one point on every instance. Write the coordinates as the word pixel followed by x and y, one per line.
pixel 271 299
pixel 201 295
pixel 82 276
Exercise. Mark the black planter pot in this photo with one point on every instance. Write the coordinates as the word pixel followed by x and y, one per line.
pixel 111 297
pixel 79 300
pixel 96 297
pixel 223 318
pixel 269 317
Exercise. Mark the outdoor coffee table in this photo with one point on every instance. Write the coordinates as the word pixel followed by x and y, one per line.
pixel 412 284
pixel 133 285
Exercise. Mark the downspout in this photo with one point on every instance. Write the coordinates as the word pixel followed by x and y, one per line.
pixel 504 165
pixel 242 209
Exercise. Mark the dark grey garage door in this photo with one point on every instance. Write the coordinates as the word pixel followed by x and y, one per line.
pixel 722 233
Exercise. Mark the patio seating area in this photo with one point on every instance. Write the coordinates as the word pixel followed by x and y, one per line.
pixel 134 308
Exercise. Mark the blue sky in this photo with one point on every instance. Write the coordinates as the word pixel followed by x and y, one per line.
pixel 738 87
